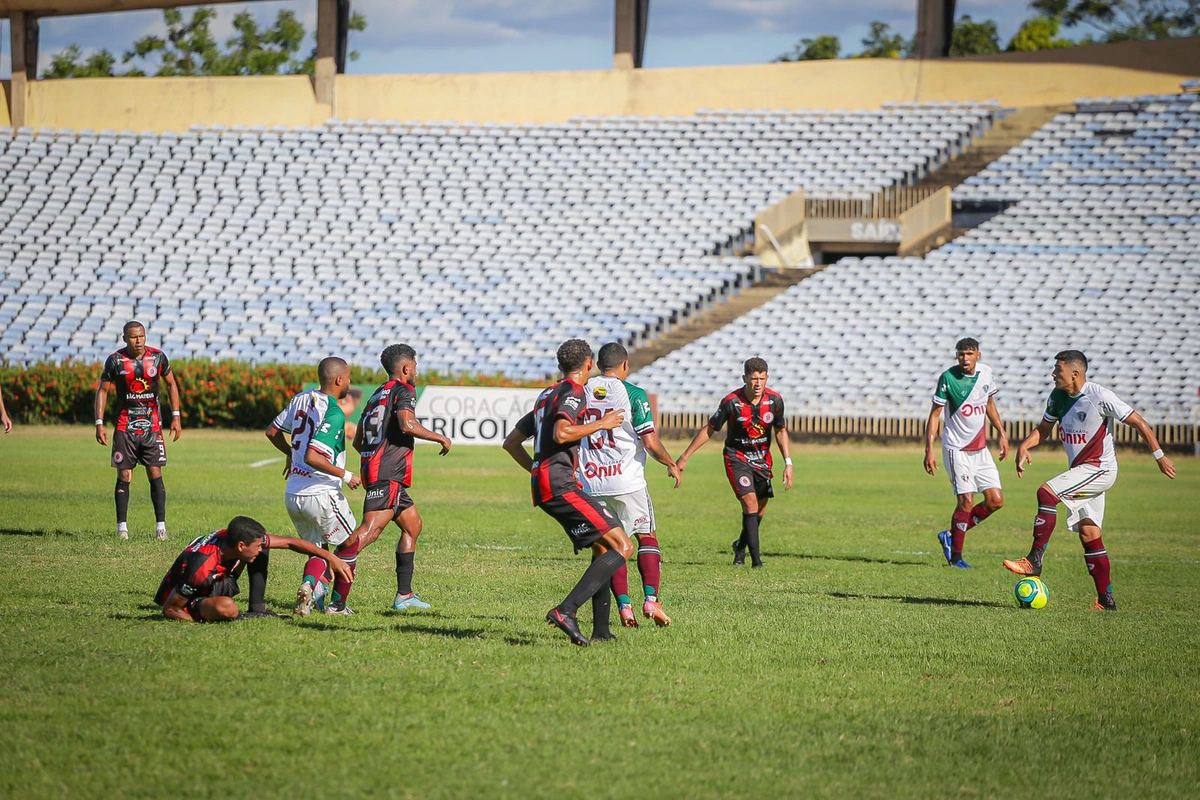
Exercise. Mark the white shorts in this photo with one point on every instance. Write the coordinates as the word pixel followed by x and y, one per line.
pixel 633 509
pixel 1081 489
pixel 321 518
pixel 971 471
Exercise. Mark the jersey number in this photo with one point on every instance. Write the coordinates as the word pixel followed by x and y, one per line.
pixel 302 421
pixel 598 440
pixel 373 427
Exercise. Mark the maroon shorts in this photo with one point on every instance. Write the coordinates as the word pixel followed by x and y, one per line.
pixel 745 479
pixel 584 518
pixel 130 449
pixel 386 496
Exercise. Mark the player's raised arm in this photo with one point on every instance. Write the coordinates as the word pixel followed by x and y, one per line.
pixel 931 426
pixel 514 443
pixel 993 415
pixel 1035 437
pixel 408 421
pixel 1165 465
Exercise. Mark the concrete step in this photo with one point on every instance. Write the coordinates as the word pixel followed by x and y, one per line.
pixel 1002 137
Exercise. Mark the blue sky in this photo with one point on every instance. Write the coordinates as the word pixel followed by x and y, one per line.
pixel 511 35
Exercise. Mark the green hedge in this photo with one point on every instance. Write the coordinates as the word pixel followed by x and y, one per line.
pixel 213 394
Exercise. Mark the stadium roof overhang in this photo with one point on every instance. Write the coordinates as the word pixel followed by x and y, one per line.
pixel 62 8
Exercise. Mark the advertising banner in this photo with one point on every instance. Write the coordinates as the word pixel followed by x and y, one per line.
pixel 473 414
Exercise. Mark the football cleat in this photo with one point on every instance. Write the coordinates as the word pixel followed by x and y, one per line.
pixel 947 546
pixel 260 612
pixel 628 618
pixel 339 610
pixel 1105 602
pixel 305 600
pixel 739 553
pixel 1022 566
pixel 122 533
pixel 960 564
pixel 161 534
pixel 604 637
pixel 568 624
pixel 403 602
pixel 652 609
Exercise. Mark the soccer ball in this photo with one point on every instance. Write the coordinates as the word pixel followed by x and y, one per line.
pixel 1031 593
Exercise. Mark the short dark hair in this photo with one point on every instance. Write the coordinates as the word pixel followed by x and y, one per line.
pixel 1072 357
pixel 573 354
pixel 394 355
pixel 755 365
pixel 133 323
pixel 966 343
pixel 612 355
pixel 243 530
pixel 330 368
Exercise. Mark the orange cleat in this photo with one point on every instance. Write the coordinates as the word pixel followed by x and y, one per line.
pixel 652 609
pixel 628 618
pixel 1022 566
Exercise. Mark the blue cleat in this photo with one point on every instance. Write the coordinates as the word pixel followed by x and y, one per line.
pixel 960 564
pixel 404 602
pixel 947 545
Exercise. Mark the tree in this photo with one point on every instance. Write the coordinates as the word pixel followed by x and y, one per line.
pixel 1125 20
pixel 971 38
pixel 189 48
pixel 880 42
pixel 1038 33
pixel 821 47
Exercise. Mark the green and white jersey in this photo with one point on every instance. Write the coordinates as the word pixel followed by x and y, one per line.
pixel 315 422
pixel 613 462
pixel 965 399
pixel 1084 423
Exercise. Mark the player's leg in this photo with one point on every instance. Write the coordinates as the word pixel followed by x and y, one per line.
pixel 589 525
pixel 620 579
pixel 257 570
pixel 411 525
pixel 987 480
pixel 214 609
pixel 154 456
pixel 123 461
pixel 960 523
pixel 1095 555
pixel 650 567
pixel 1070 488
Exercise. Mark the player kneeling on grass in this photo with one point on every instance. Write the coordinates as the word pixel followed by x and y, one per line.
pixel 1083 411
pixel 967 393
pixel 201 584
pixel 557 425
pixel 313 495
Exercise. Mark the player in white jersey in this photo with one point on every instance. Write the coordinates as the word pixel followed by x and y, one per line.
pixel 967 393
pixel 1083 412
pixel 316 470
pixel 612 468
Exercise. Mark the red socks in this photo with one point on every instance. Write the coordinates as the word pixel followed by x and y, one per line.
pixel 620 585
pixel 649 564
pixel 979 513
pixel 960 523
pixel 1047 516
pixel 1096 558
pixel 314 570
pixel 341 587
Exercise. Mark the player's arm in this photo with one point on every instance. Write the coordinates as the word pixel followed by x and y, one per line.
pixel 1036 436
pixel 4 420
pixel 338 566
pixel 993 415
pixel 408 422
pixel 931 427
pixel 358 439
pixel 655 448
pixel 1165 465
pixel 785 447
pixel 278 438
pixel 514 443
pixel 566 431
pixel 699 440
pixel 320 462
pixel 173 396
pixel 175 607
pixel 99 405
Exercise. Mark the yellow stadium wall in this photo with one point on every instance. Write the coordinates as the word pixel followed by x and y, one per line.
pixel 1017 79
pixel 5 90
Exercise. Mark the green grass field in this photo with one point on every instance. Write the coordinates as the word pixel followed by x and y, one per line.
pixel 854 664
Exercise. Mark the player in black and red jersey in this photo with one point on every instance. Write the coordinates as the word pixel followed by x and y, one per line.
pixel 201 584
pixel 556 423
pixel 134 372
pixel 385 438
pixel 751 412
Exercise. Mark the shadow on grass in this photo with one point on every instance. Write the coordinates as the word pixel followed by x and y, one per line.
pixel 854 559
pixel 925 601
pixel 23 532
pixel 519 641
pixel 154 616
pixel 405 627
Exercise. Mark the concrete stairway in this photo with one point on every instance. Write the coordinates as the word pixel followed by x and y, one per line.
pixel 1006 134
pixel 718 316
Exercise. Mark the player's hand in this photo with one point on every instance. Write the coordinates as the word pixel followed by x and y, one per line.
pixel 101 435
pixel 340 568
pixel 930 462
pixel 675 472
pixel 1023 460
pixel 681 462
pixel 6 422
pixel 612 419
pixel 1003 447
pixel 1166 467
pixel 787 477
pixel 287 464
pixel 355 482
pixel 176 428
pixel 445 443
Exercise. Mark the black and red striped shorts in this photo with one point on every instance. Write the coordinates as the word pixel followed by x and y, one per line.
pixel 584 518
pixel 745 479
pixel 386 496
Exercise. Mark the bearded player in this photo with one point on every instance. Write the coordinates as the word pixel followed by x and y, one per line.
pixel 612 469
pixel 1083 412
pixel 967 393
pixel 316 472
pixel 134 373
pixel 751 412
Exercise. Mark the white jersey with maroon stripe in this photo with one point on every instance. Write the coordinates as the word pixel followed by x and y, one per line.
pixel 1084 422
